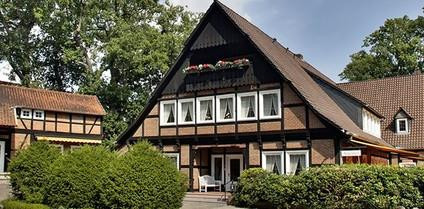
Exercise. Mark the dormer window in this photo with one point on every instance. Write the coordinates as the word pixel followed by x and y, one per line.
pixel 402 126
pixel 26 113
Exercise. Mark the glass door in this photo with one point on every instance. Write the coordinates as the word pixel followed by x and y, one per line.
pixel 233 169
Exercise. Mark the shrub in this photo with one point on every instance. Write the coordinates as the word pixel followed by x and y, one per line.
pixel 144 178
pixel 354 186
pixel 76 179
pixel 28 171
pixel 15 204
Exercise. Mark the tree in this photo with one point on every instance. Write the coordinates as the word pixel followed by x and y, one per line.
pixel 116 49
pixel 396 48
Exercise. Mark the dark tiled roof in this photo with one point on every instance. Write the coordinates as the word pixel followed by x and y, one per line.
pixel 18 96
pixel 296 71
pixel 387 96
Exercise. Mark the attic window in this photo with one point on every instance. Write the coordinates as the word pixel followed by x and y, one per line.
pixel 402 126
pixel 26 113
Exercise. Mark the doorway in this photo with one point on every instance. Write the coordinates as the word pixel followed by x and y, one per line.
pixel 2 155
pixel 227 171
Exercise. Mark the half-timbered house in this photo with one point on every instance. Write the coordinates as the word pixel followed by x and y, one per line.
pixel 236 99
pixel 65 120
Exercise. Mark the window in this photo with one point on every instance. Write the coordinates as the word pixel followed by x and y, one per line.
pixel 167 112
pixel 39 114
pixel 217 167
pixel 186 111
pixel 26 113
pixel 402 126
pixel 270 104
pixel 225 105
pixel 247 106
pixel 297 161
pixel 59 147
pixel 205 109
pixel 174 157
pixel 273 161
pixel 75 147
pixel 371 123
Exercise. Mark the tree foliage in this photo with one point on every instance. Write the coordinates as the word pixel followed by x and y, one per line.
pixel 396 48
pixel 116 49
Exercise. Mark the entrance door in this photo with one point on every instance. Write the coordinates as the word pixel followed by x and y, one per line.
pixel 2 153
pixel 233 169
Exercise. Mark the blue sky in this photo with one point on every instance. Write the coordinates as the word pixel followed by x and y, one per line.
pixel 326 32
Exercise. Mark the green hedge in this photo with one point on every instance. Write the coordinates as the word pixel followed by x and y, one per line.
pixel 94 177
pixel 144 178
pixel 76 179
pixel 354 186
pixel 28 171
pixel 16 204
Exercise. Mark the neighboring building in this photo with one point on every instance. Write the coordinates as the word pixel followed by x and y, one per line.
pixel 260 105
pixel 66 120
pixel 401 101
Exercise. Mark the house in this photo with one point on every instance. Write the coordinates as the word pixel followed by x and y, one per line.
pixel 236 99
pixel 401 101
pixel 66 120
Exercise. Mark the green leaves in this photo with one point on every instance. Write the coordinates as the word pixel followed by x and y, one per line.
pixel 396 48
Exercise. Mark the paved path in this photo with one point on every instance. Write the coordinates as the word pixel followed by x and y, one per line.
pixel 206 205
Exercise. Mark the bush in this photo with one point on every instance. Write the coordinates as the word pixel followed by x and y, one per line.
pixel 15 204
pixel 76 180
pixel 354 186
pixel 28 171
pixel 144 178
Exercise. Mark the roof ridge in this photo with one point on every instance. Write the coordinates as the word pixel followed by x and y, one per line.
pixel 380 79
pixel 46 90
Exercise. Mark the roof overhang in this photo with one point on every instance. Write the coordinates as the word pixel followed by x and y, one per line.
pixel 69 140
pixel 404 153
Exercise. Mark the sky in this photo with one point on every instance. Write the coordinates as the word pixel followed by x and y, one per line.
pixel 325 32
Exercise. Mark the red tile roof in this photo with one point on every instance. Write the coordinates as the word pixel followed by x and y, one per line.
pixel 17 96
pixel 387 96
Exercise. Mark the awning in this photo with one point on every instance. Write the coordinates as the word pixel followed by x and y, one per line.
pixel 71 140
pixel 405 153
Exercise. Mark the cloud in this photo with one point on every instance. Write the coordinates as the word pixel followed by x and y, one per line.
pixel 202 5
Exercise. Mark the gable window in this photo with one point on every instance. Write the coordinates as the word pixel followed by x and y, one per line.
pixel 247 106
pixel 297 161
pixel 371 123
pixel 26 113
pixel 174 157
pixel 167 112
pixel 225 107
pixel 186 111
pixel 270 104
pixel 402 126
pixel 273 161
pixel 205 110
pixel 39 114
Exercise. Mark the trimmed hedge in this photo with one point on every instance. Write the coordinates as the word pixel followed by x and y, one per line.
pixel 28 171
pixel 76 179
pixel 352 186
pixel 16 204
pixel 144 178
pixel 95 177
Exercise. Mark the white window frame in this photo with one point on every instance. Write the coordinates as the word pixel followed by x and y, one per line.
pixel 180 111
pixel 296 152
pixel 398 127
pixel 239 96
pixel 162 120
pixel 62 148
pixel 26 117
pixel 261 102
pixel 73 147
pixel 35 114
pixel 174 154
pixel 281 153
pixel 213 166
pixel 218 107
pixel 198 100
